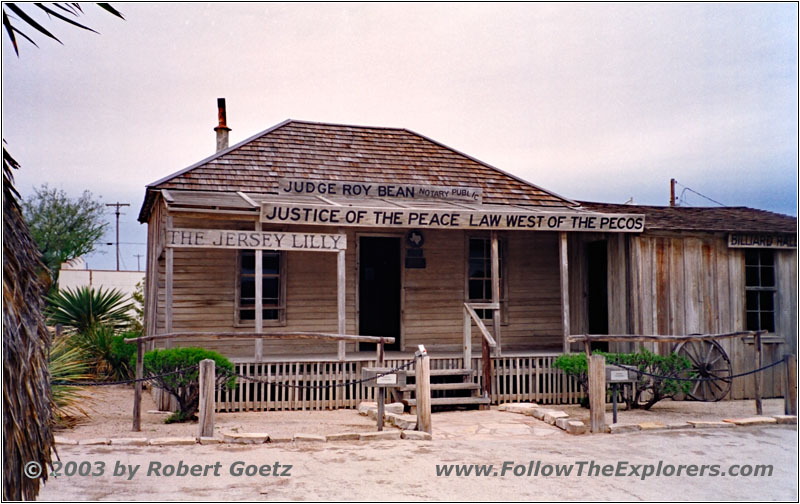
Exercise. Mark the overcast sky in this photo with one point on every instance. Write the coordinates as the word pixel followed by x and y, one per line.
pixel 601 102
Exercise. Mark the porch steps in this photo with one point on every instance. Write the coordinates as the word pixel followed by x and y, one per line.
pixel 450 388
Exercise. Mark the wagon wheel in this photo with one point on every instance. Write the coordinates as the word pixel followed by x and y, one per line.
pixel 711 366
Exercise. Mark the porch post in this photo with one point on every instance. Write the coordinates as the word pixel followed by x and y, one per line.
pixel 169 266
pixel 496 290
pixel 340 298
pixel 259 267
pixel 564 289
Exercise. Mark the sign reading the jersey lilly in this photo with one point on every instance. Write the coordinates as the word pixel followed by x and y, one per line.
pixel 258 240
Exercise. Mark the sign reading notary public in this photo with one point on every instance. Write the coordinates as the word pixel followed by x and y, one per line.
pixel 378 190
pixel 453 218
pixel 255 240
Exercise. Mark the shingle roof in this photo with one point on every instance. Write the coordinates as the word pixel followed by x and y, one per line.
pixel 725 219
pixel 338 152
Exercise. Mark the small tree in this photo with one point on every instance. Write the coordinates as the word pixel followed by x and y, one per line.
pixel 63 228
pixel 184 386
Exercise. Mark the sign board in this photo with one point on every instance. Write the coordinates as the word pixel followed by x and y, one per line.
pixel 454 218
pixel 616 374
pixel 395 379
pixel 378 190
pixel 762 240
pixel 255 240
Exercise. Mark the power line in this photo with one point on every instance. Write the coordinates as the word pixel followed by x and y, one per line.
pixel 682 199
pixel 116 212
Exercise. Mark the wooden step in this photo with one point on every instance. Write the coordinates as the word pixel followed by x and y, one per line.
pixel 444 386
pixel 453 401
pixel 446 372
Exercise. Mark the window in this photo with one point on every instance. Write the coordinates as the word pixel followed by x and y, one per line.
pixel 272 288
pixel 759 266
pixel 479 277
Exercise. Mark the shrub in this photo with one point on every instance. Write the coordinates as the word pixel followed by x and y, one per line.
pixel 121 354
pixel 649 390
pixel 84 308
pixel 184 386
pixel 67 363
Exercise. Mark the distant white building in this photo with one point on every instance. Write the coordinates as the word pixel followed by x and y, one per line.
pixel 74 274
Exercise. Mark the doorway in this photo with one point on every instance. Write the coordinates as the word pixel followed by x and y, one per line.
pixel 597 291
pixel 379 286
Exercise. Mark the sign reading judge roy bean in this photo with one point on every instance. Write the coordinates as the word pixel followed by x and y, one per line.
pixel 378 190
pixel 257 240
pixel 279 213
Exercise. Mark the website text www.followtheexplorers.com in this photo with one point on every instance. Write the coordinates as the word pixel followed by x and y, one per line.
pixel 592 469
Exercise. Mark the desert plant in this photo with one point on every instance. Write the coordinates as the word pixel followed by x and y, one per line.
pixel 107 351
pixel 184 386
pixel 84 308
pixel 67 363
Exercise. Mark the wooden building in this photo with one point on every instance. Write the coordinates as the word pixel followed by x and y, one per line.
pixel 327 228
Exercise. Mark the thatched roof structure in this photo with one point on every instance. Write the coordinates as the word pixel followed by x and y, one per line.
pixel 27 412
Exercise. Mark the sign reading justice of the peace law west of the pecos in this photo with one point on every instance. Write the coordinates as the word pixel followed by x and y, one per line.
pixel 762 240
pixel 378 190
pixel 257 240
pixel 327 215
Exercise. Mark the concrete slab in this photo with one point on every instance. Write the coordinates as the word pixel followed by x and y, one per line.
pixel 415 435
pixel 652 426
pixel 343 436
pixel 754 420
pixel 141 441
pixel 374 436
pixel 204 440
pixel 94 441
pixel 172 441
pixel 246 437
pixel 785 419
pixel 280 439
pixel 699 424
pixel 680 426
pixel 618 428
pixel 309 438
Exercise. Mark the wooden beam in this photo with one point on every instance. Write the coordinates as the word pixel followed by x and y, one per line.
pixel 137 388
pixel 423 393
pixel 205 411
pixel 341 275
pixel 259 323
pixel 168 277
pixel 481 326
pixel 757 376
pixel 496 291
pixel 467 336
pixel 656 338
pixel 597 393
pixel 790 396
pixel 564 273
pixel 265 335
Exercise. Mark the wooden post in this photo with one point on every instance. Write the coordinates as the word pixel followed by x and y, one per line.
pixel 467 340
pixel 564 273
pixel 169 266
pixel 486 359
pixel 205 412
pixel 381 390
pixel 259 270
pixel 597 392
pixel 137 388
pixel 757 376
pixel 423 379
pixel 496 290
pixel 340 299
pixel 790 397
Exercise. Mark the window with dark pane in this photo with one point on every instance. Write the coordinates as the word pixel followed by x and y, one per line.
pixel 270 285
pixel 479 282
pixel 759 266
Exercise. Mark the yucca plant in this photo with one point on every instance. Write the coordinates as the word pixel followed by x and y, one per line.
pixel 85 308
pixel 107 351
pixel 68 363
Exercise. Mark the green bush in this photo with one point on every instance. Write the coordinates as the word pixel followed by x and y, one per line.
pixel 184 386
pixel 649 390
pixel 122 354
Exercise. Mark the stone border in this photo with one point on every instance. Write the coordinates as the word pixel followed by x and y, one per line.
pixel 561 420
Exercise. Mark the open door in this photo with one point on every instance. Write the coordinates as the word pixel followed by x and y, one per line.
pixel 379 289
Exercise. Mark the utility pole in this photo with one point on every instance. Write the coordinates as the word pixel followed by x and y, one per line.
pixel 138 265
pixel 117 205
pixel 672 192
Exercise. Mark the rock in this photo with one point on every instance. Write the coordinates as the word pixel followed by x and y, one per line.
pixel 521 408
pixel 754 420
pixel 312 438
pixel 129 441
pixel 64 441
pixel 619 428
pixel 538 413
pixel 246 437
pixel 395 408
pixel 680 425
pixel 405 422
pixel 373 414
pixel 343 436
pixel 94 441
pixel 365 406
pixel 416 435
pixel 205 440
pixel 373 436
pixel 575 427
pixel 172 441
pixel 652 426
pixel 698 424
pixel 551 416
pixel 785 419
pixel 561 423
pixel 280 439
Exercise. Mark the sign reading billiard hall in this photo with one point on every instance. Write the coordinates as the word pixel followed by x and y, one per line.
pixel 255 240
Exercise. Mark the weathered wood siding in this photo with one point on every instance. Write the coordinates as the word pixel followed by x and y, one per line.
pixel 205 284
pixel 690 283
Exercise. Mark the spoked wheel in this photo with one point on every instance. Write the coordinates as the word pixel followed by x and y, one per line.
pixel 711 366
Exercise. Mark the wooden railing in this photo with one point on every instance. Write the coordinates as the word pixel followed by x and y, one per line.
pixel 487 341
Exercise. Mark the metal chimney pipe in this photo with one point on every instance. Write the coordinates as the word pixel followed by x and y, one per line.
pixel 222 129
